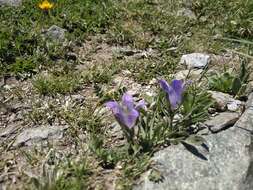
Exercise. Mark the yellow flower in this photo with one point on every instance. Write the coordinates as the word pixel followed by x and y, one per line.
pixel 46 5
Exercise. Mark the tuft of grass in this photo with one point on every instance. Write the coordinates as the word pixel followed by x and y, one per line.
pixel 51 84
pixel 131 171
pixel 65 175
pixel 99 74
pixel 23 66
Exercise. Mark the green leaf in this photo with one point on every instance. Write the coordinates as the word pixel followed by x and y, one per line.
pixel 237 84
pixel 243 71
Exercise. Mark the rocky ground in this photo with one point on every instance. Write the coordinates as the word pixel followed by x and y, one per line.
pixel 55 132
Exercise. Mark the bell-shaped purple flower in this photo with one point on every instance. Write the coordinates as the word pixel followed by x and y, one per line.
pixel 126 113
pixel 174 91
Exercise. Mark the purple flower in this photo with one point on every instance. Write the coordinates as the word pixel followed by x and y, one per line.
pixel 174 92
pixel 126 113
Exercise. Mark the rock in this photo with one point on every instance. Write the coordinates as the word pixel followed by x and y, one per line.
pixel 222 121
pixel 249 88
pixel 13 3
pixel 133 87
pixel 203 131
pixel 178 117
pixel 126 72
pixel 194 74
pixel 153 81
pixel 56 33
pixel 224 164
pixel 185 12
pixel 31 135
pixel 224 101
pixel 211 110
pixel 220 100
pixel 234 105
pixel 195 60
pixel 78 98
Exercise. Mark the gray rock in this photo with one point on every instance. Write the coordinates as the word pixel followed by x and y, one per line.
pixel 224 101
pixel 220 99
pixel 187 13
pixel 56 33
pixel 192 74
pixel 222 121
pixel 78 98
pixel 34 135
pixel 133 87
pixel 195 60
pixel 234 105
pixel 225 165
pixel 249 88
pixel 211 110
pixel 14 3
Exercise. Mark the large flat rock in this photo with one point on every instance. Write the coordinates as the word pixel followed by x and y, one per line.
pixel 34 135
pixel 222 121
pixel 225 165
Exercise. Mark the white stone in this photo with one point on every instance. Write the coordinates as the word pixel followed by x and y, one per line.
pixel 195 60
pixel 234 105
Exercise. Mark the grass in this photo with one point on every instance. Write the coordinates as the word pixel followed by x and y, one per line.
pixel 51 84
pixel 143 27
pixel 92 151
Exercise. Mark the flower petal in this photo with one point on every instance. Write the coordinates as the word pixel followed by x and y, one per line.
pixel 173 96
pixel 114 106
pixel 178 86
pixel 141 105
pixel 121 117
pixel 164 85
pixel 131 118
pixel 118 112
pixel 173 99
pixel 127 100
